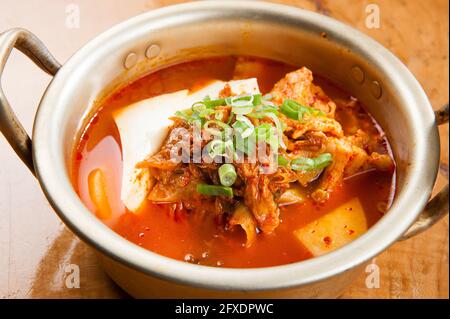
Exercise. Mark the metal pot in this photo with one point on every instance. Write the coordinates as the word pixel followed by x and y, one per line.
pixel 202 29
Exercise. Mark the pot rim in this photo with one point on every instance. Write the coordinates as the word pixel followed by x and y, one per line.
pixel 52 172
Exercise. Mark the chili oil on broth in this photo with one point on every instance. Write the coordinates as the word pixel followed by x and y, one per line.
pixel 201 239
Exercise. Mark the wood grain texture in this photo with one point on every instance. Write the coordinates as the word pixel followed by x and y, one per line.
pixel 35 247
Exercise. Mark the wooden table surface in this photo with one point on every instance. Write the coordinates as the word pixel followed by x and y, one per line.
pixel 35 246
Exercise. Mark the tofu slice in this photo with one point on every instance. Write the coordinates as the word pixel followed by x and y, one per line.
pixel 144 125
pixel 335 229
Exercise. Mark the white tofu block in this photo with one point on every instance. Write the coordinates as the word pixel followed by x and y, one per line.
pixel 335 229
pixel 144 125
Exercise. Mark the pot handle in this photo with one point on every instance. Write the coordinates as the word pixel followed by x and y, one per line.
pixel 10 126
pixel 437 207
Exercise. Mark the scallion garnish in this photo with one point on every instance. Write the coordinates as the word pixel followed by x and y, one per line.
pixel 261 111
pixel 279 127
pixel 203 114
pixel 216 148
pixel 307 164
pixel 257 99
pixel 241 104
pixel 182 115
pixel 240 100
pixel 290 109
pixel 242 110
pixel 214 190
pixel 187 115
pixel 243 126
pixel 213 103
pixel 296 111
pixel 227 174
pixel 282 161
pixel 198 107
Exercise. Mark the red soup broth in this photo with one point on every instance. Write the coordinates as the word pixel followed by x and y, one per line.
pixel 184 236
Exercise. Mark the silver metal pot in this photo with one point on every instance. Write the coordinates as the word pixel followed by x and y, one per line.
pixel 194 30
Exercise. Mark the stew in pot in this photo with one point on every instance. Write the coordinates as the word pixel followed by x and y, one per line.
pixel 234 162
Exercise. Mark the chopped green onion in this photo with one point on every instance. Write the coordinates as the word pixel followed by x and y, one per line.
pixel 282 161
pixel 183 115
pixel 307 164
pixel 279 127
pixel 216 148
pixel 257 99
pixel 242 118
pixel 290 109
pixel 261 111
pixel 302 164
pixel 187 115
pixel 308 110
pixel 244 100
pixel 243 126
pixel 240 100
pixel 323 160
pixel 270 107
pixel 245 137
pixel 203 114
pixel 213 103
pixel 242 104
pixel 243 110
pixel 198 107
pixel 262 130
pixel 227 174
pixel 214 190
pixel 296 111
pixel 262 114
pixel 220 148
